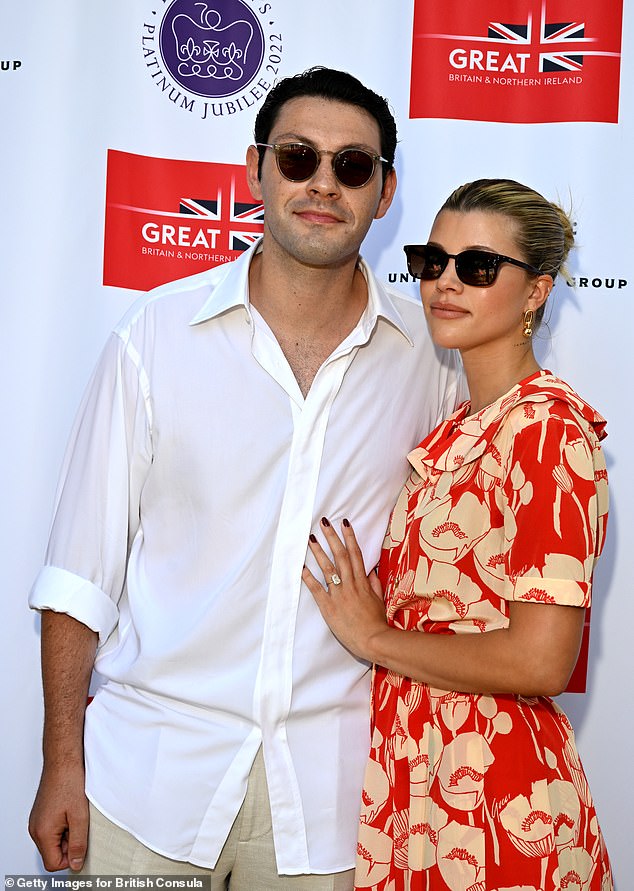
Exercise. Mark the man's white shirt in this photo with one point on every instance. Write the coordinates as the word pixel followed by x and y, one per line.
pixel 195 473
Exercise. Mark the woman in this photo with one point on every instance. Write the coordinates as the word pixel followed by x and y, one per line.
pixel 474 781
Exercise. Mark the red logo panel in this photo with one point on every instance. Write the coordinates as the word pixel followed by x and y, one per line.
pixel 516 61
pixel 166 219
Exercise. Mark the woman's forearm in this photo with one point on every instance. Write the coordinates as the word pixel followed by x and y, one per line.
pixel 534 656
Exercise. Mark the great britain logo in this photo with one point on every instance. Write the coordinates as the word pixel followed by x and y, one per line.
pixel 525 61
pixel 167 218
pixel 215 58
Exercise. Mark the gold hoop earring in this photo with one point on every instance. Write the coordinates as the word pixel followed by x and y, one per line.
pixel 528 323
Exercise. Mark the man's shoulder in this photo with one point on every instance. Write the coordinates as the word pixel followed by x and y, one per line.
pixel 176 300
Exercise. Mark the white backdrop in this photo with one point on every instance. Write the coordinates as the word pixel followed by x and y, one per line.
pixel 74 83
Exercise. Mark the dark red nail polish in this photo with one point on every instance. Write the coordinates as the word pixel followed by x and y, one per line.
pixel 346 522
pixel 312 537
pixel 324 522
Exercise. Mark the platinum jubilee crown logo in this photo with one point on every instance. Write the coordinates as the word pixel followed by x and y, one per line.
pixel 214 58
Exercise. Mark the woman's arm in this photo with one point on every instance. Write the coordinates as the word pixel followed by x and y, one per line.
pixel 534 656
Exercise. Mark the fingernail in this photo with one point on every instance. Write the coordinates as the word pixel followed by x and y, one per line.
pixel 346 522
pixel 324 521
pixel 312 537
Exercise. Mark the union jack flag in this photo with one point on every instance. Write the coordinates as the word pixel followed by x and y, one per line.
pixel 550 34
pixel 248 216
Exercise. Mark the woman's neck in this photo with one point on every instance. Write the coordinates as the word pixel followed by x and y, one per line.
pixel 489 377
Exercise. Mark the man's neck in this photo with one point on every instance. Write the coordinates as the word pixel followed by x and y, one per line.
pixel 310 310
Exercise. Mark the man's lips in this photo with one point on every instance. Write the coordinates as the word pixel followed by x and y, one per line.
pixel 317 216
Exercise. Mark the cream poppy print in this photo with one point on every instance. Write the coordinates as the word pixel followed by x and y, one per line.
pixel 467 792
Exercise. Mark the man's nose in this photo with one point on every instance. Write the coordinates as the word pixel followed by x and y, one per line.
pixel 323 179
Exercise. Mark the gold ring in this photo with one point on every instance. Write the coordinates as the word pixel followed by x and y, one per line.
pixel 334 579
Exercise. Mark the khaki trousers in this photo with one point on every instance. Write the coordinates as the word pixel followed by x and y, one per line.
pixel 246 863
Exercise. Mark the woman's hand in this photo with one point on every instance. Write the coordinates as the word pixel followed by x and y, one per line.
pixel 352 601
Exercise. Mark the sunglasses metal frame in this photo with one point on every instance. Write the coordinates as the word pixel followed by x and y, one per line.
pixel 490 256
pixel 278 146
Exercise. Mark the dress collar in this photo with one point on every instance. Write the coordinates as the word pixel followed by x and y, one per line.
pixel 464 438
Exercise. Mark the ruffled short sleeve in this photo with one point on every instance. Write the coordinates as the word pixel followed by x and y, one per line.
pixel 554 503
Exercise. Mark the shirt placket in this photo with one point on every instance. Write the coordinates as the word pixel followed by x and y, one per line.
pixel 274 685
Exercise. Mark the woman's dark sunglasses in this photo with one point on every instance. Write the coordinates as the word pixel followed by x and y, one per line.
pixel 297 162
pixel 473 267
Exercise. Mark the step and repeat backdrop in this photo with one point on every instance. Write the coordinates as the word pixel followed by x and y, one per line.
pixel 123 131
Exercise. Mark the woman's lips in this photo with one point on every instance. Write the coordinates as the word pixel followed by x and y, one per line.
pixel 447 311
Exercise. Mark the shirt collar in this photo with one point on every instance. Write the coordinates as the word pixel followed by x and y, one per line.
pixel 230 283
pixel 380 305
pixel 230 287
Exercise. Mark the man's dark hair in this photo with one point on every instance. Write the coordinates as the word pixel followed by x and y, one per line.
pixel 337 86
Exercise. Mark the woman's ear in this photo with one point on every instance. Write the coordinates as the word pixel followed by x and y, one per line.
pixel 542 286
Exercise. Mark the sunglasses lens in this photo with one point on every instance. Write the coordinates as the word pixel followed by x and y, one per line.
pixel 297 162
pixel 477 268
pixel 416 259
pixel 434 262
pixel 425 261
pixel 353 167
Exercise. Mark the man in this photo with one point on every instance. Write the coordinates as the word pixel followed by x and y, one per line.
pixel 229 412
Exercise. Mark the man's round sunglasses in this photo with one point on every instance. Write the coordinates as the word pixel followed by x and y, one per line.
pixel 297 162
pixel 473 267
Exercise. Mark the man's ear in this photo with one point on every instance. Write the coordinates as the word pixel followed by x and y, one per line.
pixel 387 194
pixel 253 179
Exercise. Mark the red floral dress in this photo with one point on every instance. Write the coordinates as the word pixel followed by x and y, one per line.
pixel 480 792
